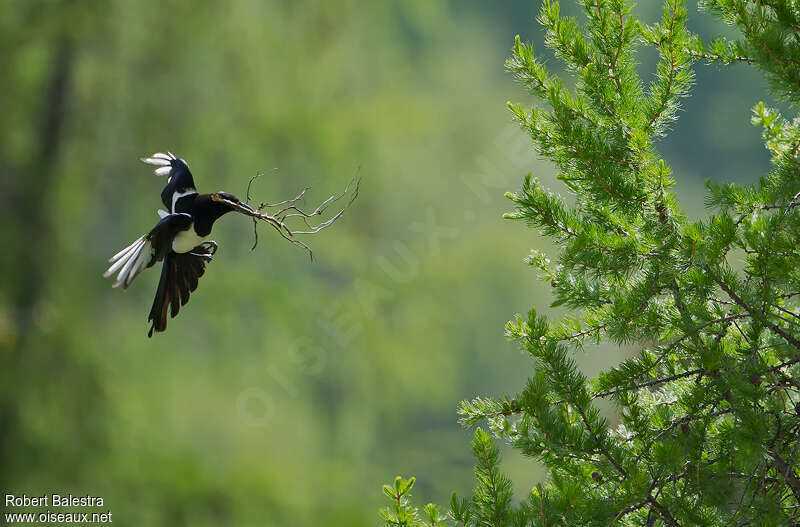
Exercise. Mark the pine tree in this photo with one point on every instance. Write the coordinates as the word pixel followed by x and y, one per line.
pixel 708 410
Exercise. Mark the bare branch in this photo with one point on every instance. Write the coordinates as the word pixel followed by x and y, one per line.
pixel 289 210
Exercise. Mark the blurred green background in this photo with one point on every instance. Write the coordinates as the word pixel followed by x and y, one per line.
pixel 286 392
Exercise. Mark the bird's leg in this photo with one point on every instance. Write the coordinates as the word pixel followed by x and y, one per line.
pixel 209 248
pixel 205 256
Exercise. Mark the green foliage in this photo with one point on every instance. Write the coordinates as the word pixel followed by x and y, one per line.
pixel 705 430
pixel 401 514
pixel 276 397
pixel 490 504
pixel 769 30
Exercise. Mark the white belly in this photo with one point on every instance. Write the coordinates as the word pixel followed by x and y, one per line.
pixel 187 240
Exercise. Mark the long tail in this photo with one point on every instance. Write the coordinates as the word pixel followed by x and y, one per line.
pixel 179 276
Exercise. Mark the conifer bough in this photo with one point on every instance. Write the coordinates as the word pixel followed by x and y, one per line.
pixel 708 410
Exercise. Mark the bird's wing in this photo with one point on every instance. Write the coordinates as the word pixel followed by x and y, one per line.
pixel 179 277
pixel 147 249
pixel 179 179
pixel 130 261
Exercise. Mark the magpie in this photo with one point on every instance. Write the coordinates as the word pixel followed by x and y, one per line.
pixel 180 239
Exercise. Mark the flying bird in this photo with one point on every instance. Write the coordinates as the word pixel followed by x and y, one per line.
pixel 180 240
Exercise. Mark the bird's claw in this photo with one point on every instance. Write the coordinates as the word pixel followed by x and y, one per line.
pixel 209 248
pixel 205 256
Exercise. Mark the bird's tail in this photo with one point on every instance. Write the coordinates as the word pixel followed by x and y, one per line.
pixel 179 276
pixel 130 261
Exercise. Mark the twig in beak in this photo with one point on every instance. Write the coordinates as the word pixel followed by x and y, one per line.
pixel 277 220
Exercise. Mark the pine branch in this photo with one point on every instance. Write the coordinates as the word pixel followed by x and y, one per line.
pixel 708 411
pixel 757 315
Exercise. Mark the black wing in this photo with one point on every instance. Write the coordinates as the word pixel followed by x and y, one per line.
pixel 179 178
pixel 179 277
pixel 165 231
pixel 147 250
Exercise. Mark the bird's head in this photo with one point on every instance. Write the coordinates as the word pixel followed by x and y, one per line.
pixel 231 203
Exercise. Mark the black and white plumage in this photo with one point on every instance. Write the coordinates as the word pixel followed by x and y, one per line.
pixel 180 183
pixel 180 239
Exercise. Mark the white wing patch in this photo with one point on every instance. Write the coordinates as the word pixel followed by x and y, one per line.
pixel 130 261
pixel 159 159
pixel 162 161
pixel 162 213
pixel 178 195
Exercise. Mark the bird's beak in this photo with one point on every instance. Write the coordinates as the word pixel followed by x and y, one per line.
pixel 244 208
pixel 240 206
pixel 247 207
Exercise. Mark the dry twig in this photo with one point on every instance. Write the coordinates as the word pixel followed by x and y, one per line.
pixel 289 209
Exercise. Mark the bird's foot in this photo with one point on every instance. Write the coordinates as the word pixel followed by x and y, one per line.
pixel 208 249
pixel 205 256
